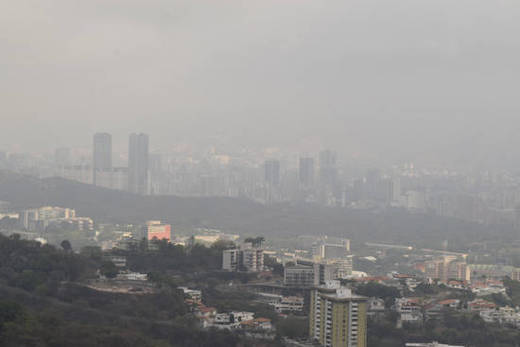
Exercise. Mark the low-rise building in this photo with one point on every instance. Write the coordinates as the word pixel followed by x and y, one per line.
pixel 409 310
pixel 194 295
pixel 429 344
pixel 289 304
pixel 376 306
pixel 502 315
pixel 299 276
pixel 478 305
pixel 157 230
pixel 515 274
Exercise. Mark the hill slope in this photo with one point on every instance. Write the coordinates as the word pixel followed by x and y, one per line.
pixel 238 215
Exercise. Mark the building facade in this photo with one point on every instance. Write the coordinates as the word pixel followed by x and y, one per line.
pixel 101 155
pixel 138 153
pixel 247 259
pixel 156 230
pixel 337 316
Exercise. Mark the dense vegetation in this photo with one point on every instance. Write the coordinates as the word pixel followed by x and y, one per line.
pixel 44 303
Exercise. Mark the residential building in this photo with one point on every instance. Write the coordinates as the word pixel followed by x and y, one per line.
pixel 409 310
pixel 515 274
pixel 447 267
pixel 478 305
pixel 337 317
pixel 38 219
pixel 230 259
pixel 246 258
pixel 289 304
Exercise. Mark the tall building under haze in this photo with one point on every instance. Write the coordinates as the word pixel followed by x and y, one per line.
pixel 328 168
pixel 101 155
pixel 306 171
pixel 272 172
pixel 138 163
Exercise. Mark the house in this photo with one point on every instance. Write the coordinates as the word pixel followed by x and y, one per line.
pixel 376 306
pixel 258 323
pixel 478 305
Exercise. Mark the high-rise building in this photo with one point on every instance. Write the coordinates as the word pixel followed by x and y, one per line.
pixel 328 168
pixel 101 155
pixel 272 172
pixel 138 164
pixel 306 172
pixel 337 317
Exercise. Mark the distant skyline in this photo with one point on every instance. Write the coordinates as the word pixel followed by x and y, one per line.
pixel 433 81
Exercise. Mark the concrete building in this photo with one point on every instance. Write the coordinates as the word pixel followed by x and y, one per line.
pixel 246 258
pixel 230 259
pixel 306 172
pixel 299 276
pixel 101 155
pixel 447 267
pixel 138 153
pixel 333 251
pixel 272 172
pixel 515 274
pixel 38 219
pixel 156 230
pixel 337 317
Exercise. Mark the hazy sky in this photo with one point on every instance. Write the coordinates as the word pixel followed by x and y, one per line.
pixel 368 77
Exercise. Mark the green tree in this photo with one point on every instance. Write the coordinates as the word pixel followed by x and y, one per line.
pixel 108 269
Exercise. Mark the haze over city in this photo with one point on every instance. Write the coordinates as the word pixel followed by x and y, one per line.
pixel 406 80
pixel 274 173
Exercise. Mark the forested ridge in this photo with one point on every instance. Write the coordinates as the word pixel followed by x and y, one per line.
pixel 44 302
pixel 243 216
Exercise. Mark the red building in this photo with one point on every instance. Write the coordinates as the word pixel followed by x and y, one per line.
pixel 157 230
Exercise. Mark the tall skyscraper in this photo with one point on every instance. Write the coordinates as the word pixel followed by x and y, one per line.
pixel 337 318
pixel 138 163
pixel 328 168
pixel 306 172
pixel 272 172
pixel 101 155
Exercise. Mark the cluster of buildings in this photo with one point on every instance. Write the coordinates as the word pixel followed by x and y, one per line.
pixel 209 317
pixel 306 274
pixel 273 175
pixel 39 219
pixel 503 315
pixel 447 267
pixel 100 171
pixel 331 261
